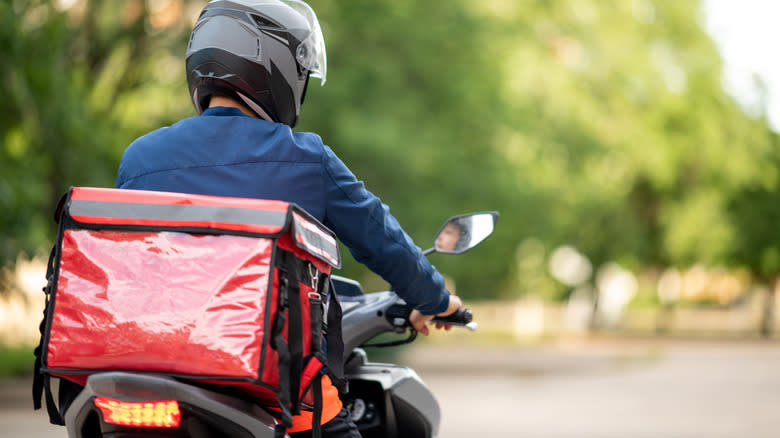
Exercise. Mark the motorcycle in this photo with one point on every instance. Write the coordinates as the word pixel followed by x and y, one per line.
pixel 385 400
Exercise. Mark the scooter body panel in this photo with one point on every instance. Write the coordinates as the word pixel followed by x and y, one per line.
pixel 407 407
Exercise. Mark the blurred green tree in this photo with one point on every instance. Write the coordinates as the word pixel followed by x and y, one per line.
pixel 598 124
pixel 81 80
pixel 754 213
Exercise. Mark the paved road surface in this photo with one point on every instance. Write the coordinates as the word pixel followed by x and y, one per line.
pixel 640 389
pixel 599 389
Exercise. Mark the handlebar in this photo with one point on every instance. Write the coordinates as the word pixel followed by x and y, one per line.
pixel 461 317
pixel 370 315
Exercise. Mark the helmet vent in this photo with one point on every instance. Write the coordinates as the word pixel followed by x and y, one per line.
pixel 261 21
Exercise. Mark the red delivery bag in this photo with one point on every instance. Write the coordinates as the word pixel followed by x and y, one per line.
pixel 218 290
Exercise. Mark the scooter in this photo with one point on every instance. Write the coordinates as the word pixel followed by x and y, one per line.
pixel 385 400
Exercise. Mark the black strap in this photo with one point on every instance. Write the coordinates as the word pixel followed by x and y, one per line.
pixel 335 342
pixel 42 382
pixel 333 335
pixel 316 319
pixel 293 269
pixel 55 417
pixel 278 344
pixel 37 388
pixel 295 342
pixel 38 352
pixel 42 386
pixel 316 316
pixel 316 428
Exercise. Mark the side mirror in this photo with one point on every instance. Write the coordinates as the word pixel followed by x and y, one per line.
pixel 461 233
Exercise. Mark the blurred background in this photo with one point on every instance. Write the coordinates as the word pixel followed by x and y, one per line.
pixel 631 148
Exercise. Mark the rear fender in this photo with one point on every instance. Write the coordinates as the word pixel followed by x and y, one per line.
pixel 230 415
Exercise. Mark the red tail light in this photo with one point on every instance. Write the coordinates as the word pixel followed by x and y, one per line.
pixel 158 413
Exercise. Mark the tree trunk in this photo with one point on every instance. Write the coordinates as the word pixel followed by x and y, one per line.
pixel 767 321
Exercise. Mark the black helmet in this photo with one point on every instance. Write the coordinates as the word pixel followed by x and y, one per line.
pixel 261 51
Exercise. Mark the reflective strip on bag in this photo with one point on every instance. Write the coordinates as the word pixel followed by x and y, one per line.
pixel 146 208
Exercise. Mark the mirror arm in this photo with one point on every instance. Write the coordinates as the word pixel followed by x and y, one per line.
pixel 429 251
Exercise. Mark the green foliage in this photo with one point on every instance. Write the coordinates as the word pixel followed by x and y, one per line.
pixel 16 361
pixel 597 124
pixel 754 214
pixel 79 84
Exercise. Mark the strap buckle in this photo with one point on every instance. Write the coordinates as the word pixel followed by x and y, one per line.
pixel 314 273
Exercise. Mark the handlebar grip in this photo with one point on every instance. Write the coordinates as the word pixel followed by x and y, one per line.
pixel 460 317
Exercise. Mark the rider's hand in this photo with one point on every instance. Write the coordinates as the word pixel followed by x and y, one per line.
pixel 418 320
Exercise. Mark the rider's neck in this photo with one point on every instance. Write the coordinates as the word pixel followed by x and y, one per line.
pixel 219 100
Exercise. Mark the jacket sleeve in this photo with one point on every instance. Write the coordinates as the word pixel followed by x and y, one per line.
pixel 375 238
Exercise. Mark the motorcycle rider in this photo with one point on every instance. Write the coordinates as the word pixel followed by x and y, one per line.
pixel 248 65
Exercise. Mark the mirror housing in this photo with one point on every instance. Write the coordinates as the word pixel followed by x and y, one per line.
pixel 462 233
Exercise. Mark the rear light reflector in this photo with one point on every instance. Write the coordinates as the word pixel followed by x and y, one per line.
pixel 158 413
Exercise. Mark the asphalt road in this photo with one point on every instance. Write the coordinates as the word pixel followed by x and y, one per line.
pixel 603 389
pixel 608 389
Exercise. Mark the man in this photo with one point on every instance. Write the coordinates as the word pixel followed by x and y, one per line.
pixel 248 65
pixel 451 238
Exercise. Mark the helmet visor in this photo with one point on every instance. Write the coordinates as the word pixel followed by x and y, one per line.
pixel 310 53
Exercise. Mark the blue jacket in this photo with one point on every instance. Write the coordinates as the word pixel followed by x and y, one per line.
pixel 226 153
